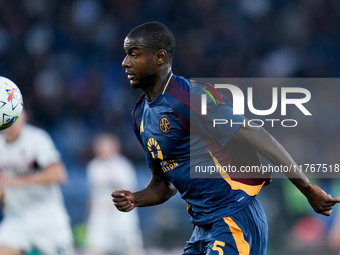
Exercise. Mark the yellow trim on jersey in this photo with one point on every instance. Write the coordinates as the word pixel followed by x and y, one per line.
pixel 242 245
pixel 188 207
pixel 251 190
pixel 167 83
pixel 141 128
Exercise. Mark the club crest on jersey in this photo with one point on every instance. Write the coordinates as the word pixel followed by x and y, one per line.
pixel 164 124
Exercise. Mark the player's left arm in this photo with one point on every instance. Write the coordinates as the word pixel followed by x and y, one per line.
pixel 54 173
pixel 272 150
pixel 158 190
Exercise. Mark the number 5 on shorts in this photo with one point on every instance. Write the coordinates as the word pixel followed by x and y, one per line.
pixel 219 249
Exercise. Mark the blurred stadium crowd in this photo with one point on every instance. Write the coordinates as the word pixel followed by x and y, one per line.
pixel 66 58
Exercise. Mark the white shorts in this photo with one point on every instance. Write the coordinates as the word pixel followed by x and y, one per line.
pixel 48 239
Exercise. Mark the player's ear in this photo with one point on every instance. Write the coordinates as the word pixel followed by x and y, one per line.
pixel 162 57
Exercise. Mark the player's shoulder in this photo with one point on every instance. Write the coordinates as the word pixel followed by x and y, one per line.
pixel 184 89
pixel 177 90
pixel 181 81
pixel 117 160
pixel 177 86
pixel 213 97
pixel 28 132
pixel 36 134
pixel 31 130
pixel 198 88
pixel 93 164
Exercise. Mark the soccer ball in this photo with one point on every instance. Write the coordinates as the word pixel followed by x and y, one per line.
pixel 11 103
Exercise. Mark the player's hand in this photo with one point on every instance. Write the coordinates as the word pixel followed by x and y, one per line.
pixel 123 200
pixel 319 200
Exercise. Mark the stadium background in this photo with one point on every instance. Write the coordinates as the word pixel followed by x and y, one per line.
pixel 66 58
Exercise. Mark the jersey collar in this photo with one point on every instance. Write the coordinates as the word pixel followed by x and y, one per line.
pixel 167 82
pixel 160 95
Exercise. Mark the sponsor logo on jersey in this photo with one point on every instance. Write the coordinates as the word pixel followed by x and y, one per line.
pixel 168 165
pixel 155 149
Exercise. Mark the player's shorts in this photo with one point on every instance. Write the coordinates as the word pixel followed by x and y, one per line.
pixel 47 239
pixel 245 232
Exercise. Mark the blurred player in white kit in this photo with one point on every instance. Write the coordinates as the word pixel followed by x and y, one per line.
pixel 31 171
pixel 110 231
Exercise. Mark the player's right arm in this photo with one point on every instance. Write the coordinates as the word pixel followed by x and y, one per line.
pixel 156 192
pixel 271 149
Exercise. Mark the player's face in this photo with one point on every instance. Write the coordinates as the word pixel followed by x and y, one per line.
pixel 105 148
pixel 140 63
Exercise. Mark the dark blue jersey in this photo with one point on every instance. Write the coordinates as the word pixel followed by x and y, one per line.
pixel 176 136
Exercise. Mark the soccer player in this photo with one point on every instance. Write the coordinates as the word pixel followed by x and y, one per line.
pixel 31 170
pixel 108 230
pixel 225 212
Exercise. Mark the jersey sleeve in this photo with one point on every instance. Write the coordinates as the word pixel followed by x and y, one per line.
pixel 47 153
pixel 136 119
pixel 151 162
pixel 219 123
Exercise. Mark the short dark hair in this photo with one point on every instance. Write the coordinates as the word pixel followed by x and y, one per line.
pixel 156 37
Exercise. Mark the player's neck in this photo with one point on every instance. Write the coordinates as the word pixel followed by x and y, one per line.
pixel 13 132
pixel 12 137
pixel 153 91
